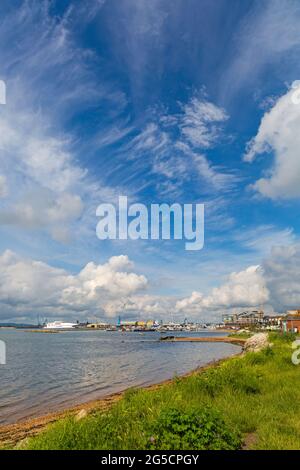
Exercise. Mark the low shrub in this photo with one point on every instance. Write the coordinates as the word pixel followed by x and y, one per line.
pixel 195 429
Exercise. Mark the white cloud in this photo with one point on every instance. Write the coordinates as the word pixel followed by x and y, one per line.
pixel 199 122
pixel 45 88
pixel 262 238
pixel 275 284
pixel 49 163
pixel 151 138
pixel 279 133
pixel 35 286
pixel 35 154
pixel 191 303
pixel 114 288
pixel 42 209
pixel 206 171
pixel 243 289
pixel 174 145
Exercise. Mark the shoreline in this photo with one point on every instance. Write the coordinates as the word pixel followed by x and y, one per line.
pixel 204 339
pixel 12 434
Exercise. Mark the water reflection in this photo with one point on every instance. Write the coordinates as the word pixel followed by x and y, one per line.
pixel 46 372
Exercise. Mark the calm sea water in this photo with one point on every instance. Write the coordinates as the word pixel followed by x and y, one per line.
pixel 47 372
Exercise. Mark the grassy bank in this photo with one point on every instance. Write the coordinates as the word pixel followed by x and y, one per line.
pixel 251 400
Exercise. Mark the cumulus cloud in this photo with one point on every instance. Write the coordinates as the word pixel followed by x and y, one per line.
pixel 27 284
pixel 28 287
pixel 242 289
pixel 279 134
pixel 275 283
pixel 192 303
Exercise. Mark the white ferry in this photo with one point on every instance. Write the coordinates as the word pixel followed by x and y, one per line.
pixel 59 325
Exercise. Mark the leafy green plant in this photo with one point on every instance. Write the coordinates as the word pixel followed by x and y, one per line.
pixel 201 429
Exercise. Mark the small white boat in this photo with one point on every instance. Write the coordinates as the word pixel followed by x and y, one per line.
pixel 59 325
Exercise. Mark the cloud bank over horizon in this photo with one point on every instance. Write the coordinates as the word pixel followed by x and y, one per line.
pixel 29 288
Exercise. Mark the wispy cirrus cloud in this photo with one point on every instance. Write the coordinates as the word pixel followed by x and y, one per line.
pixel 173 147
pixel 256 48
pixel 201 122
pixel 49 78
pixel 261 238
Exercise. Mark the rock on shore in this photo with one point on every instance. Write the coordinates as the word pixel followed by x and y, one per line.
pixel 256 342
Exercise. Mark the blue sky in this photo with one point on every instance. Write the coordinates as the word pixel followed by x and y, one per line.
pixel 162 101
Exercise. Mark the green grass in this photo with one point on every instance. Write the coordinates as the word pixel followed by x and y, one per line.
pixel 244 335
pixel 257 394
